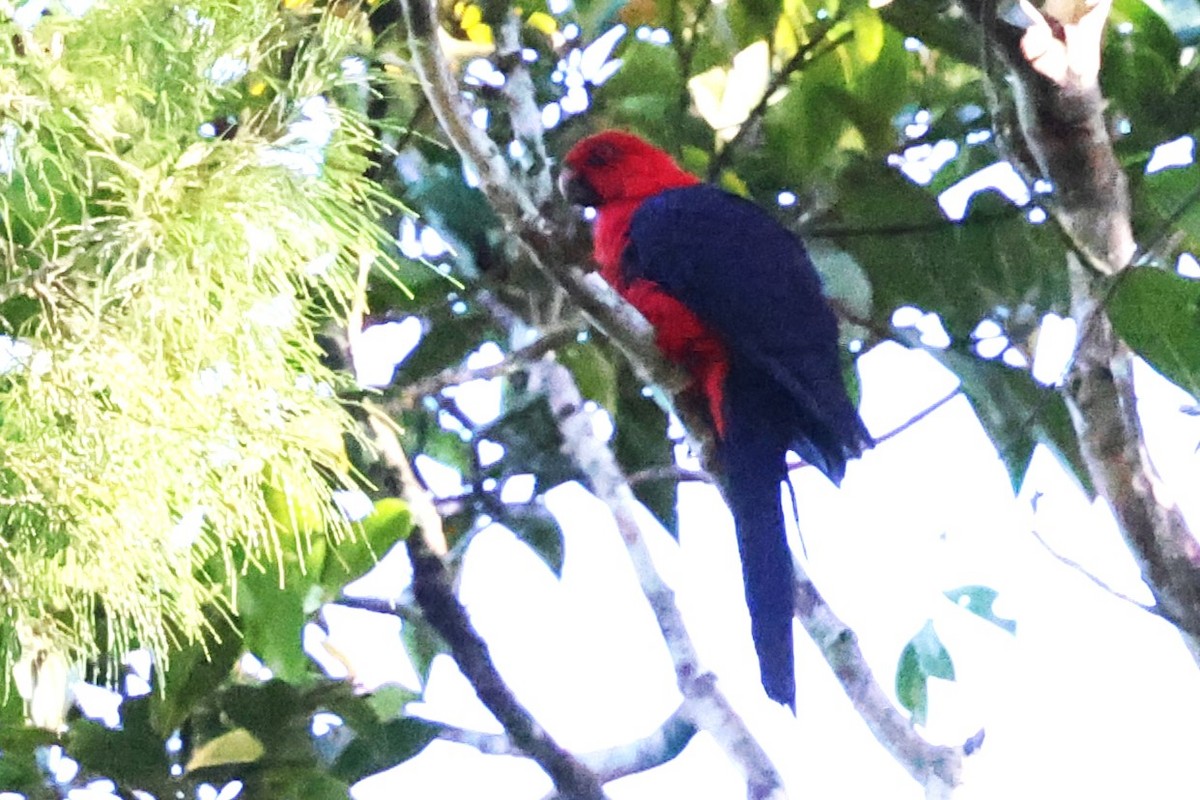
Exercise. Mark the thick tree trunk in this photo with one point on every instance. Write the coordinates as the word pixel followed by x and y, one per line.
pixel 1054 64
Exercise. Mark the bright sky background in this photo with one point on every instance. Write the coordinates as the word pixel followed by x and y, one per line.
pixel 1092 697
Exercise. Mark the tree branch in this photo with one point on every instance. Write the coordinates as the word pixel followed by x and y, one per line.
pixel 524 114
pixel 1053 63
pixel 936 767
pixel 657 748
pixel 704 704
pixel 654 750
pixel 670 473
pixel 663 744
pixel 1091 576
pixel 533 230
pixel 518 359
pixel 806 54
pixel 434 593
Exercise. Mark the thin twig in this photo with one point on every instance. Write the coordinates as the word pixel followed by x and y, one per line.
pixel 525 116
pixel 630 758
pixel 1091 576
pixel 805 55
pixel 685 48
pixel 670 473
pixel 920 415
pixel 392 608
pixel 516 360
pixel 899 429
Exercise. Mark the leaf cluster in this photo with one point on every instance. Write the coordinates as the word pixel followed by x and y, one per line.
pixel 185 205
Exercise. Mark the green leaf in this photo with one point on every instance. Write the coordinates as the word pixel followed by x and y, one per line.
pixel 947 33
pixel 132 755
pixel 979 600
pixel 594 371
pixel 1157 313
pixel 879 91
pixel 644 97
pixel 19 769
pixel 338 697
pixel 238 746
pixel 272 618
pixel 1140 77
pixel 1168 196
pixel 448 340
pixel 964 271
pixel 844 281
pixel 39 194
pixel 388 701
pixel 911 690
pixel 375 535
pixel 461 214
pixel 396 742
pixel 931 654
pixel 195 671
pixel 422 644
pixel 290 782
pixel 869 32
pixel 597 16
pixel 536 526
pixel 264 709
pixel 752 20
pixel 532 443
pixel 1018 413
pixel 423 434
pixel 803 129
pixel 924 657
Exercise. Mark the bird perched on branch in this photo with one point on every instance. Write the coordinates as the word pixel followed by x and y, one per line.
pixel 734 299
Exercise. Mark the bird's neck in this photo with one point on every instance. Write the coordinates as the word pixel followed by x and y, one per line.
pixel 611 231
pixel 610 235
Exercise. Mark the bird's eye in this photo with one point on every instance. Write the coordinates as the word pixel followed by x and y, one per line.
pixel 602 155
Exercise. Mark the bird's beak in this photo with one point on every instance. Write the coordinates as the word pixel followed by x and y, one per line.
pixel 576 188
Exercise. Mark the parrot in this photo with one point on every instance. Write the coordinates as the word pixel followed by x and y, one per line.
pixel 735 300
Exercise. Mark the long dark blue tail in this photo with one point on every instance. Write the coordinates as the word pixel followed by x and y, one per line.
pixel 753 458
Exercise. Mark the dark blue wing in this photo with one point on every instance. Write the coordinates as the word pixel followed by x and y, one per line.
pixel 750 279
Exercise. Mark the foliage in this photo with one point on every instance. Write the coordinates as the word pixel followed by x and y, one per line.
pixel 872 115
pixel 185 205
pixel 178 228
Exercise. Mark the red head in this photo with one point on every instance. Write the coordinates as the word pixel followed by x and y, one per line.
pixel 615 166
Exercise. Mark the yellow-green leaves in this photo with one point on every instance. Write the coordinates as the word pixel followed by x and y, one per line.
pixel 171 369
